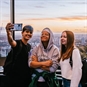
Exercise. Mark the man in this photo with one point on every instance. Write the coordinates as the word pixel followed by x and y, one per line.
pixel 20 75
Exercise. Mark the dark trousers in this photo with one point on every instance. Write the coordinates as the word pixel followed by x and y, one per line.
pixel 14 81
pixel 4 81
pixel 42 84
pixel 84 85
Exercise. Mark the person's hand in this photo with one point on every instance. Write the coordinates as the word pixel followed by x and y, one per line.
pixel 34 58
pixel 9 26
pixel 47 63
pixel 45 68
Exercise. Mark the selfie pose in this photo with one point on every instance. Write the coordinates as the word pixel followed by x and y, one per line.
pixel 20 74
pixel 71 71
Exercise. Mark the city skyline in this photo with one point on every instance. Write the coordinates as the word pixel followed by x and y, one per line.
pixel 58 15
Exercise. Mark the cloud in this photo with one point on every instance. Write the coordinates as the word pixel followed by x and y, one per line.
pixel 6 2
pixel 40 19
pixel 75 1
pixel 5 15
pixel 39 7
pixel 73 18
pixel 80 2
pixel 22 14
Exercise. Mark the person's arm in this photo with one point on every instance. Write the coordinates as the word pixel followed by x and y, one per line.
pixel 45 68
pixel 76 69
pixel 54 65
pixel 36 64
pixel 33 60
pixel 54 58
pixel 12 42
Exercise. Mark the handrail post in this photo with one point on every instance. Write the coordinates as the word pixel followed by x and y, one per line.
pixel 12 14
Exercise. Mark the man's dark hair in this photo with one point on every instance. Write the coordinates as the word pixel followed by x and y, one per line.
pixel 28 27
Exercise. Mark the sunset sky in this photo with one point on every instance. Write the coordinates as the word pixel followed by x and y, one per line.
pixel 58 15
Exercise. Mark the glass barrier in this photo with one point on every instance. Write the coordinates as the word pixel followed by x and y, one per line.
pixel 41 14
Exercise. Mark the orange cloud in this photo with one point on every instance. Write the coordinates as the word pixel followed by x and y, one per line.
pixel 74 23
pixel 74 18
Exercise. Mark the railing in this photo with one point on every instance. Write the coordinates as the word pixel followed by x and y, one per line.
pixel 59 76
pixel 1 70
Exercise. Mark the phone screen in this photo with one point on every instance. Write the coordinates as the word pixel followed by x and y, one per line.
pixel 17 27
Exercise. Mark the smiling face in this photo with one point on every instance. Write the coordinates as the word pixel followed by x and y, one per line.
pixel 27 35
pixel 64 38
pixel 67 44
pixel 45 36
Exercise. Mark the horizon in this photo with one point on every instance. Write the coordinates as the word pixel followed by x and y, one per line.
pixel 58 15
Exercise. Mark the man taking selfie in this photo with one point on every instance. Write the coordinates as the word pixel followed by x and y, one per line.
pixel 20 74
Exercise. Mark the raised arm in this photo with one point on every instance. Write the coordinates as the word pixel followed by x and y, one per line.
pixel 77 68
pixel 12 42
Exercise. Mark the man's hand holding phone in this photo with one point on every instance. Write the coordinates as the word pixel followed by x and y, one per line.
pixel 9 26
pixel 14 27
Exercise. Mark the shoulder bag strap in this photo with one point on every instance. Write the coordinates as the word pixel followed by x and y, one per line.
pixel 70 61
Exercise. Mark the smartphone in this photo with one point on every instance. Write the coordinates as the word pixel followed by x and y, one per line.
pixel 17 27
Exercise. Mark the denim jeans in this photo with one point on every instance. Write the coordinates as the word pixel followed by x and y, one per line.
pixel 66 83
